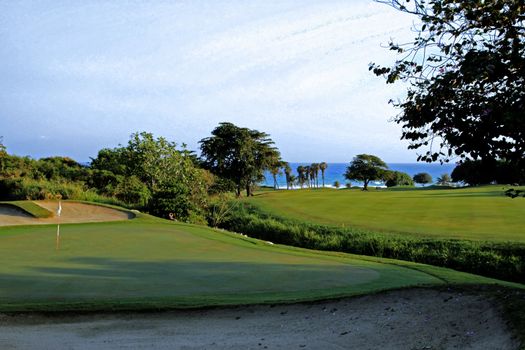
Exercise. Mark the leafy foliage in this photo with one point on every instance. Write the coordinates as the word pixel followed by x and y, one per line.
pixel 444 179
pixel 239 154
pixel 397 178
pixel 422 178
pixel 3 154
pixel 152 173
pixel 466 68
pixel 148 173
pixel 366 168
pixel 478 172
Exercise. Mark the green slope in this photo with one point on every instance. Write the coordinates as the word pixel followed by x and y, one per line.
pixel 150 263
pixel 482 213
pixel 30 208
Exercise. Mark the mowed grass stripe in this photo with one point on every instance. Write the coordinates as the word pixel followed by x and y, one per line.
pixel 482 213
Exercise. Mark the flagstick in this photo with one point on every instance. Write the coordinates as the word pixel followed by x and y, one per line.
pixel 59 212
pixel 58 237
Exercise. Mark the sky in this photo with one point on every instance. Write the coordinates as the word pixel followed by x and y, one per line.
pixel 78 76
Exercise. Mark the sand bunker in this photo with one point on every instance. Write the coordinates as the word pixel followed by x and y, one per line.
pixel 405 319
pixel 72 212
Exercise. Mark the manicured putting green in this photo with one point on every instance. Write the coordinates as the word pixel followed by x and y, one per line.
pixel 147 263
pixel 482 213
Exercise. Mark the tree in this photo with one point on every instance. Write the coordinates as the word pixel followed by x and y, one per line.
pixel 422 178
pixel 478 172
pixel 275 169
pixel 474 173
pixel 466 69
pixel 293 180
pixel 307 175
pixel 132 190
pixel 171 183
pixel 314 174
pixel 323 167
pixel 288 174
pixel 397 178
pixel 239 154
pixel 3 155
pixel 365 168
pixel 313 170
pixel 444 179
pixel 113 160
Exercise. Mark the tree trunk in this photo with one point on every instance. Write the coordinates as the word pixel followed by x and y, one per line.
pixel 365 187
pixel 248 190
pixel 238 191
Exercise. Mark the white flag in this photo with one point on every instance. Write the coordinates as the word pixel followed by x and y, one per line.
pixel 59 210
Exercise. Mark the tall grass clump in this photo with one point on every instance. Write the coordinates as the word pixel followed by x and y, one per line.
pixel 31 189
pixel 499 260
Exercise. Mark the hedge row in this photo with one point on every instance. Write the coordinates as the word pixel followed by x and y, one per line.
pixel 498 260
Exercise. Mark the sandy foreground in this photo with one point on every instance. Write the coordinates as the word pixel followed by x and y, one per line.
pixel 405 319
pixel 72 212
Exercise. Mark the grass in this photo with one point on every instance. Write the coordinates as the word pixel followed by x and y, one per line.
pixel 481 213
pixel 30 208
pixel 148 263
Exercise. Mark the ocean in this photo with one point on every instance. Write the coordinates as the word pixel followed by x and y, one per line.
pixel 335 172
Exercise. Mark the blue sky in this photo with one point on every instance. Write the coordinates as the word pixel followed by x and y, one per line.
pixel 78 76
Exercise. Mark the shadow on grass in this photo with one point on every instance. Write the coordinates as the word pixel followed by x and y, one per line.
pixel 471 194
pixel 111 278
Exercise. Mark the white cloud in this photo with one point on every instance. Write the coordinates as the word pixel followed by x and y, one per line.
pixel 180 68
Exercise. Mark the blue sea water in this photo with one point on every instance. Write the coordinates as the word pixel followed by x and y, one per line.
pixel 335 172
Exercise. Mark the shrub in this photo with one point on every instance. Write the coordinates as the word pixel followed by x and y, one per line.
pixel 132 190
pixel 499 260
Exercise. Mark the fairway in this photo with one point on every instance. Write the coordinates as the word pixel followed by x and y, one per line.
pixel 152 263
pixel 482 213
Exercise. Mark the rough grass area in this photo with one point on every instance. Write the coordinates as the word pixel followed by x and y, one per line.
pixel 480 213
pixel 149 263
pixel 503 260
pixel 30 208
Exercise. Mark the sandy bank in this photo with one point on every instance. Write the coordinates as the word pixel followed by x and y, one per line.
pixel 72 212
pixel 407 319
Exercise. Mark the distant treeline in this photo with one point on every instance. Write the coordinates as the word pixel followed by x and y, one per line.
pixel 157 176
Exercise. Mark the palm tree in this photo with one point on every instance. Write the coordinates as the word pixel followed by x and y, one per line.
pixel 315 172
pixel 323 167
pixel 300 175
pixel 287 173
pixel 275 169
pixel 307 175
pixel 292 178
pixel 444 179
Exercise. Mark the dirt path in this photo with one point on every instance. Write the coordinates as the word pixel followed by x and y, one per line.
pixel 407 319
pixel 72 212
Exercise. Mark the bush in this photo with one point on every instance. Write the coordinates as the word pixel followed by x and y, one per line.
pixel 132 190
pixel 175 202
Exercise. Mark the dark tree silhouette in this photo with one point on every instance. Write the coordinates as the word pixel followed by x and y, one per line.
pixel 466 69
pixel 322 167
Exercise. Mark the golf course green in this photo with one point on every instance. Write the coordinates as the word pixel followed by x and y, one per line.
pixel 150 263
pixel 480 213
